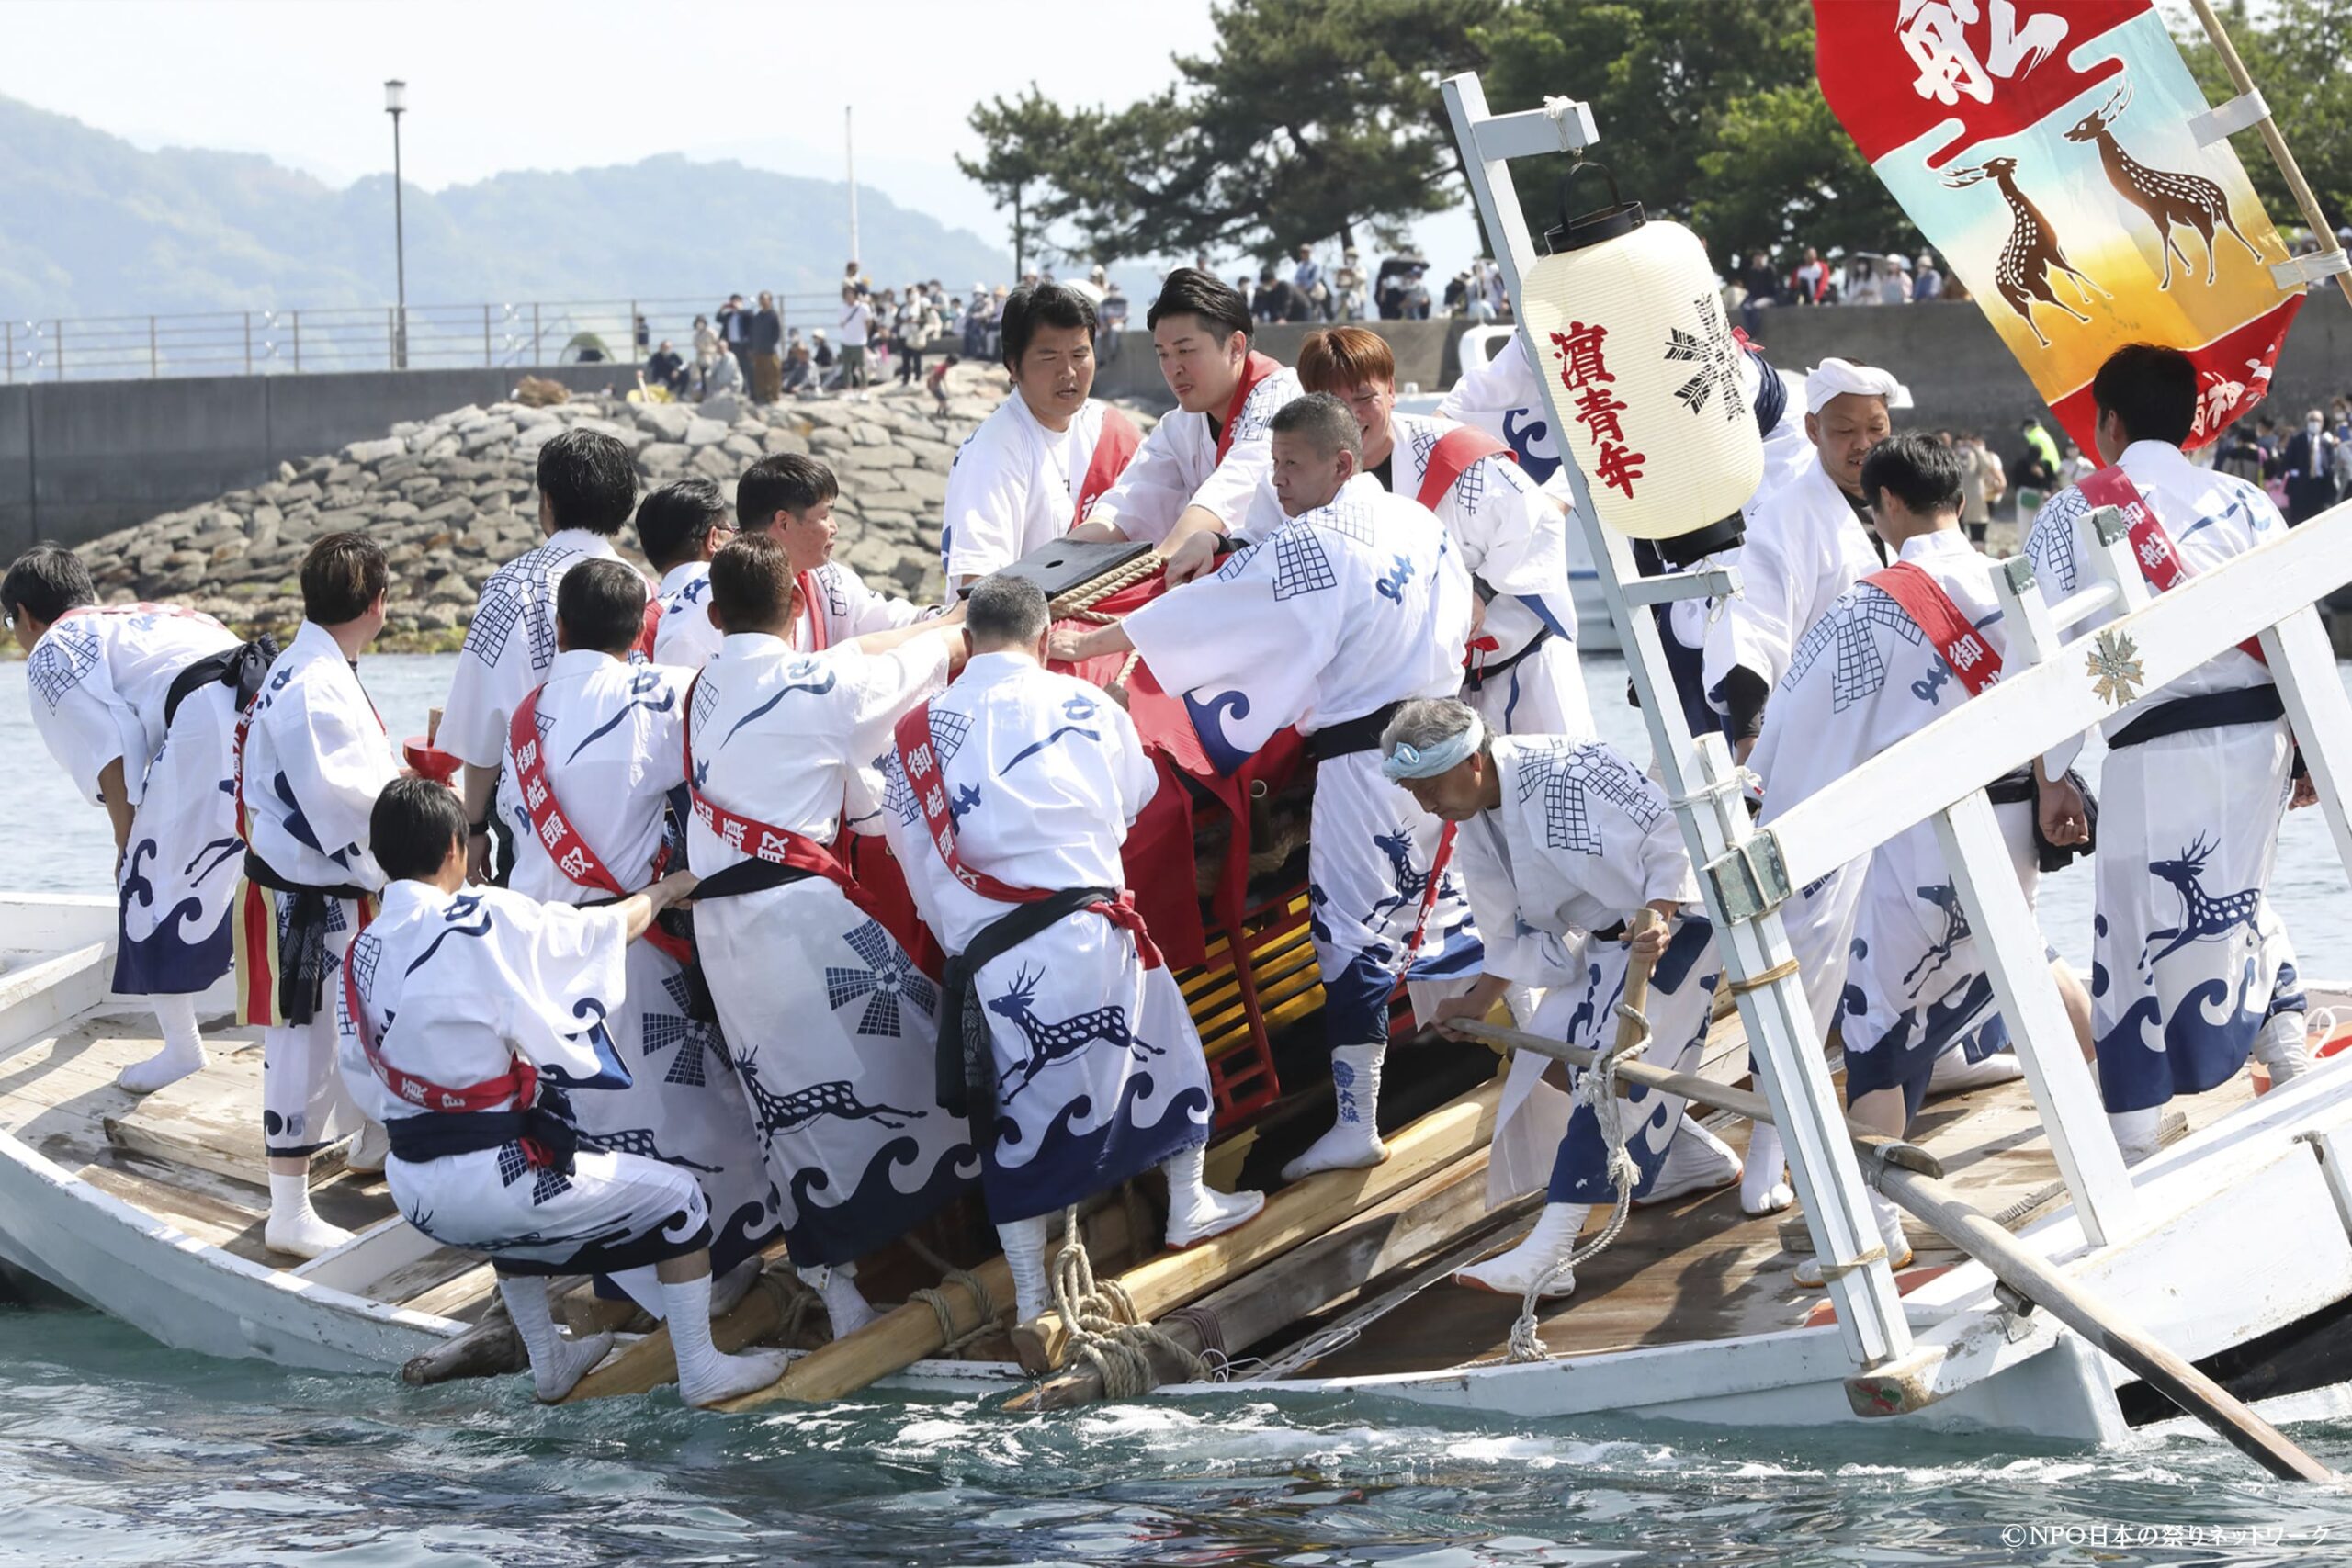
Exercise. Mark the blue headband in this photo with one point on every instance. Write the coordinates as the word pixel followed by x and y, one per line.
pixel 1409 761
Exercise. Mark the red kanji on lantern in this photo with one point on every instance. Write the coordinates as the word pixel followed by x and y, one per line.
pixel 1597 410
pixel 1618 468
pixel 1579 352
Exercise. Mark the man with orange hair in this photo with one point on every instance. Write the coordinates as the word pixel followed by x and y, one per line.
pixel 1522 676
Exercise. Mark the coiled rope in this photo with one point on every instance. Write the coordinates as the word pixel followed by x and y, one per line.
pixel 1104 1328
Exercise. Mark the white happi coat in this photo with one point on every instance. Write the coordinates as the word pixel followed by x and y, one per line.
pixel 456 986
pixel 510 644
pixel 2189 955
pixel 849 608
pixel 1581 840
pixel 1346 609
pixel 684 637
pixel 98 680
pixel 316 757
pixel 1804 547
pixel 831 1023
pixel 1177 466
pixel 1099 1072
pixel 1014 487
pixel 1882 944
pixel 610 733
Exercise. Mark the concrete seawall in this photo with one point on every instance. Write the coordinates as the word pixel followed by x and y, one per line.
pixel 79 458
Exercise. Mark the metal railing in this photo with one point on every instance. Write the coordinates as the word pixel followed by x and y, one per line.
pixel 344 338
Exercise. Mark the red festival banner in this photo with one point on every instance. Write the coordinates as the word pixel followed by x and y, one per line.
pixel 2055 154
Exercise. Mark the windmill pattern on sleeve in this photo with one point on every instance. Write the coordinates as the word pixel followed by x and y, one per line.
pixel 1570 775
pixel 67 654
pixel 1861 669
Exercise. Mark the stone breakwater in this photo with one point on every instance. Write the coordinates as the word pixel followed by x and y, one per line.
pixel 452 499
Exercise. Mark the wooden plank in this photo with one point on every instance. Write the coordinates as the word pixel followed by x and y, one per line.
pixel 211 1121
pixel 461 1279
pixel 1298 1213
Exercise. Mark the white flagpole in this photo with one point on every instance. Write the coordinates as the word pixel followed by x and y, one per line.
pixel 849 157
pixel 2296 185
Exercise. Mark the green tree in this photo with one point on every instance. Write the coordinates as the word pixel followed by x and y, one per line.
pixel 1026 141
pixel 2296 51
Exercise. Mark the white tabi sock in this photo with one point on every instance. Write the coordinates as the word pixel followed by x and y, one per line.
pixel 846 1304
pixel 1551 1242
pixel 183 1050
pixel 2284 1047
pixel 1195 1213
pixel 1354 1143
pixel 1763 1189
pixel 1888 1217
pixel 1953 1073
pixel 643 1286
pixel 2136 1132
pixel 705 1376
pixel 1024 1253
pixel 294 1227
pixel 557 1364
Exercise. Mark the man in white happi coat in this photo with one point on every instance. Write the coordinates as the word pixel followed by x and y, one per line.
pixel 829 1019
pixel 1522 676
pixel 1882 945
pixel 680 528
pixel 1563 836
pixel 129 701
pixel 2197 970
pixel 587 489
pixel 1193 481
pixel 1358 603
pixel 465 1018
pixel 592 758
pixel 314 756
pixel 1009 795
pixel 1033 469
pixel 790 498
pixel 1807 542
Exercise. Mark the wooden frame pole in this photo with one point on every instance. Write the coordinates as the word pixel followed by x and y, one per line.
pixel 2296 185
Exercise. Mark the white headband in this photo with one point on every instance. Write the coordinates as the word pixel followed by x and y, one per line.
pixel 1409 761
pixel 1833 377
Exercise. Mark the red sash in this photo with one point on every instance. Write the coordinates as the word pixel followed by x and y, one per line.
pixel 924 779
pixel 519 1083
pixel 652 624
pixel 1931 610
pixel 1455 452
pixel 1113 449
pixel 807 584
pixel 1254 369
pixel 2160 563
pixel 564 844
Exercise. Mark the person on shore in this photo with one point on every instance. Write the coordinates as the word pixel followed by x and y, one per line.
pixel 1034 468
pixel 1197 474
pixel 587 490
pixel 725 375
pixel 856 322
pixel 1357 603
pixel 1008 795
pixel 507 1173
pixel 139 704
pixel 666 370
pixel 315 758
pixel 735 329
pixel 1885 949
pixel 2308 464
pixel 2195 783
pixel 708 351
pixel 1807 542
pixel 680 528
pixel 1523 677
pixel 594 754
pixel 1562 836
pixel 1982 482
pixel 767 350
pixel 829 1022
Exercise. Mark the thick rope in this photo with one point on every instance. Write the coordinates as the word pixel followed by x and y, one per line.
pixel 936 1300
pixel 1101 1321
pixel 1597 1088
pixel 1078 601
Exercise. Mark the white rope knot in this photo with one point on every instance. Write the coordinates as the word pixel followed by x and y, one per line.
pixel 1102 1326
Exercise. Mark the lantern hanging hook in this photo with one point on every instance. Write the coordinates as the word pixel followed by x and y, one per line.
pixel 1613 220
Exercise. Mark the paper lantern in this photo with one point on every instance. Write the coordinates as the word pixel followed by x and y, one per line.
pixel 1642 375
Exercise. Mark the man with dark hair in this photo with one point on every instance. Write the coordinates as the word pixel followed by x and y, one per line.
pixel 488 1005
pixel 587 489
pixel 1009 795
pixel 1884 950
pixel 107 686
pixel 1033 469
pixel 680 528
pixel 790 498
pixel 315 757
pixel 829 1021
pixel 591 758
pixel 2196 779
pixel 1357 603
pixel 1523 677
pixel 1197 471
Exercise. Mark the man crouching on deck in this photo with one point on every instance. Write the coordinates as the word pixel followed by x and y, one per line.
pixel 1009 794
pixel 1566 836
pixel 1356 602
pixel 471 1005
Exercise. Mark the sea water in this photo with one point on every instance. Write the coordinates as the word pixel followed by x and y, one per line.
pixel 114 1450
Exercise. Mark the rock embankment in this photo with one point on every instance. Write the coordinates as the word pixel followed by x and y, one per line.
pixel 452 499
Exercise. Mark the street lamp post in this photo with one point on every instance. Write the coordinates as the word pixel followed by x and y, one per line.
pixel 395 103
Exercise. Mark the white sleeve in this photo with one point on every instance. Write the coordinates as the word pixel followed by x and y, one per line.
pixel 685 639
pixel 1150 493
pixel 565 972
pixel 336 761
pixel 1230 630
pixel 490 678
pixel 987 503
pixel 1753 629
pixel 884 686
pixel 1517 541
pixel 1138 778
pixel 77 723
pixel 1233 485
pixel 1494 907
pixel 870 611
pixel 1666 863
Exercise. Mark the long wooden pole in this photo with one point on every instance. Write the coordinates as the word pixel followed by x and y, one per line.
pixel 2279 155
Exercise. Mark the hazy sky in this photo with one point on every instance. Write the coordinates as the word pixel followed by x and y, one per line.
pixel 498 85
